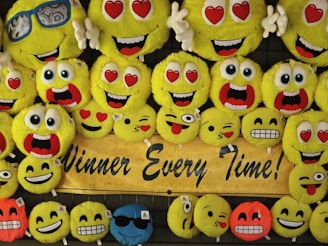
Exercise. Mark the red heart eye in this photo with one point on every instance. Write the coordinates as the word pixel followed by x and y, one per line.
pixel 313 14
pixel 130 79
pixel 192 75
pixel 241 10
pixel 101 116
pixel 323 136
pixel 14 83
pixel 214 14
pixel 113 9
pixel 306 135
pixel 172 75
pixel 85 114
pixel 111 75
pixel 141 7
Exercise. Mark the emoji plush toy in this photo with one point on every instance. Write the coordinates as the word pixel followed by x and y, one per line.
pixel 321 92
pixel 89 221
pixel 180 216
pixel 211 215
pixel 120 84
pixel 107 22
pixel 236 85
pixel 13 219
pixel 8 179
pixel 64 82
pixel 318 223
pixel 181 81
pixel 43 131
pixel 288 87
pixel 305 139
pixel 218 128
pixel 263 127
pixel 39 176
pixel 305 32
pixel 290 218
pixel 308 183
pixel 49 222
pixel 131 225
pixel 92 121
pixel 38 31
pixel 17 90
pixel 250 221
pixel 6 140
pixel 216 30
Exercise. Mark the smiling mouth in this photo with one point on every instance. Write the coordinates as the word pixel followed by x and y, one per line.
pixel 290 224
pixel 306 49
pixel 311 188
pixel 130 46
pixel 227 47
pixel 116 101
pixel 49 56
pixel 310 157
pixel 7 104
pixel 90 230
pixel 250 230
pixel 50 228
pixel 39 179
pixel 182 99
pixel 90 128
pixel 190 226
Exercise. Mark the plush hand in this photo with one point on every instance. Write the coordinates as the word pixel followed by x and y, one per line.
pixel 269 22
pixel 79 33
pixel 282 21
pixel 92 33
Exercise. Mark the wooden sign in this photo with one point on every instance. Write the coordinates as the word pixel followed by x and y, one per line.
pixel 112 166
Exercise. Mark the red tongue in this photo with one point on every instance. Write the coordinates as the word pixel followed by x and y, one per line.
pixel 310 161
pixel 51 58
pixel 304 53
pixel 176 128
pixel 130 51
pixel 311 189
pixel 115 105
pixel 227 52
pixel 182 103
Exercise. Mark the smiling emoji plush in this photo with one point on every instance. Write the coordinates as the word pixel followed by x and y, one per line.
pixel 319 222
pixel 38 31
pixel 305 139
pixel 43 131
pixel 288 87
pixel 236 85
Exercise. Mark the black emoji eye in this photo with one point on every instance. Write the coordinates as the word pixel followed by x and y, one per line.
pixel 300 213
pixel 98 217
pixel 13 211
pixel 256 216
pixel 211 128
pixel 83 217
pixel 210 214
pixel 39 219
pixel 127 121
pixel 242 216
pixel 273 121
pixel 258 121
pixel 284 211
pixel 45 166
pixel 53 214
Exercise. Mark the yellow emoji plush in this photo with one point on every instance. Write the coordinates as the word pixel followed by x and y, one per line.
pixel 180 216
pixel 305 34
pixel 8 179
pixel 49 222
pixel 218 128
pixel 137 126
pixel 305 139
pixel 318 222
pixel 181 81
pixel 321 92
pixel 39 176
pixel 308 183
pixel 288 87
pixel 263 127
pixel 108 21
pixel 177 127
pixel 64 82
pixel 92 121
pixel 43 131
pixel 38 31
pixel 6 140
pixel 17 90
pixel 290 217
pixel 120 84
pixel 216 30
pixel 236 85
pixel 89 221
pixel 211 215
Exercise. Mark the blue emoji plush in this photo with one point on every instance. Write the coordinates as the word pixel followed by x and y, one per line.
pixel 132 224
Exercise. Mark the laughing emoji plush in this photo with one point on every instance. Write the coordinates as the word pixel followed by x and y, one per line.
pixel 181 81
pixel 236 85
pixel 108 21
pixel 43 131
pixel 17 88
pixel 38 31
pixel 288 87
pixel 8 179
pixel 306 34
pixel 6 139
pixel 120 84
pixel 305 139
pixel 64 82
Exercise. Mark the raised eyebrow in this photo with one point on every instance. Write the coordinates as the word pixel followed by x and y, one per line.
pixel 301 178
pixel 205 122
pixel 206 206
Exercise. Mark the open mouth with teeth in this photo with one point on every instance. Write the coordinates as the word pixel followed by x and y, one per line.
pixel 306 49
pixel 42 146
pixel 90 230
pixel 265 134
pixel 50 228
pixel 310 157
pixel 227 47
pixel 10 225
pixel 39 179
pixel 249 229
pixel 237 97
pixel 311 188
pixel 182 99
pixel 90 128
pixel 7 104
pixel 290 224
pixel 49 56
pixel 176 128
pixel 291 102
pixel 68 96
pixel 3 143
pixel 116 101
pixel 130 46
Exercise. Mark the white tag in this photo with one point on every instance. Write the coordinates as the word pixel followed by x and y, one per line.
pixel 57 162
pixel 20 202
pixel 108 214
pixel 145 215
pixel 62 209
pixel 184 199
